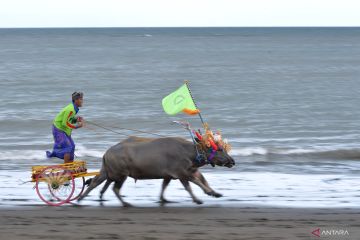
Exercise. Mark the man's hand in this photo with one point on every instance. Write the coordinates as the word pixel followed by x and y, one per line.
pixel 79 119
pixel 80 124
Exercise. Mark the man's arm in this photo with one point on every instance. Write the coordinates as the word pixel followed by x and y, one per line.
pixel 66 120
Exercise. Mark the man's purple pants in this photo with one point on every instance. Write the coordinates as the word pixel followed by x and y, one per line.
pixel 63 145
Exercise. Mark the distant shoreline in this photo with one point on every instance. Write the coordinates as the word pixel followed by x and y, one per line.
pixel 217 27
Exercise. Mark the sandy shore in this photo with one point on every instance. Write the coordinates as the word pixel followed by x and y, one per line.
pixel 174 223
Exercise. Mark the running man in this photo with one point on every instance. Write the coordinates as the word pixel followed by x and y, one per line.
pixel 63 124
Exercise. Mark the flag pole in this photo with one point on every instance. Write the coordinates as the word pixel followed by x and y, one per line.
pixel 187 85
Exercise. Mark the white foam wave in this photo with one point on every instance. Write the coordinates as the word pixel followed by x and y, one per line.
pixel 297 151
pixel 295 139
pixel 248 151
pixel 81 151
pixel 22 155
pixel 84 151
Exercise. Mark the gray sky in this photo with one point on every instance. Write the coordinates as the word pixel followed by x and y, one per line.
pixel 178 13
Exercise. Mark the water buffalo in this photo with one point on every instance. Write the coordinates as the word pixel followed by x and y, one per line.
pixel 156 158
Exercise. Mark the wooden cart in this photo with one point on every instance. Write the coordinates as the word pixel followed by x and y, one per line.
pixel 62 183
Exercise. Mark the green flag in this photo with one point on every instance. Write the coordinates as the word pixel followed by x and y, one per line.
pixel 179 101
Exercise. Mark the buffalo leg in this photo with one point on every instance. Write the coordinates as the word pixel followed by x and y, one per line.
pixel 96 181
pixel 163 187
pixel 103 190
pixel 200 180
pixel 203 180
pixel 116 189
pixel 188 188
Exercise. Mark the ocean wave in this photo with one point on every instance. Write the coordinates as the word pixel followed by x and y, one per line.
pixel 249 151
pixel 80 152
pixel 84 152
pixel 325 152
pixel 22 155
pixel 296 139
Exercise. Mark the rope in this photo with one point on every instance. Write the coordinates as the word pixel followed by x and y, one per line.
pixel 91 128
pixel 140 131
pixel 129 129
pixel 108 129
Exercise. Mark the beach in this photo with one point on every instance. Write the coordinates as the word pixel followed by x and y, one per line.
pixel 175 223
pixel 286 99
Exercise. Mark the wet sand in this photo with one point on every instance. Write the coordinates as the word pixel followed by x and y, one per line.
pixel 174 223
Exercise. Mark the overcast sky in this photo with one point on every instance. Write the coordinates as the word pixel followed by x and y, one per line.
pixel 178 13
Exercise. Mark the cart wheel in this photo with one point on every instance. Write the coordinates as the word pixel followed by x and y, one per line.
pixel 55 185
pixel 79 188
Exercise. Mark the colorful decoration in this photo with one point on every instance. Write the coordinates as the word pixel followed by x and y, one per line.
pixel 213 141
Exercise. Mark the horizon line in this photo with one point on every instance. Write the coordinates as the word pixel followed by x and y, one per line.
pixel 78 27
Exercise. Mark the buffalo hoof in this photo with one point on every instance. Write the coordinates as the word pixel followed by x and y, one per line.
pixel 217 195
pixel 214 194
pixel 127 205
pixel 164 201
